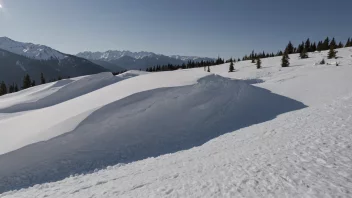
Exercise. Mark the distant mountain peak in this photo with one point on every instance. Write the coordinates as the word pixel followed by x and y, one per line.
pixel 30 50
pixel 111 55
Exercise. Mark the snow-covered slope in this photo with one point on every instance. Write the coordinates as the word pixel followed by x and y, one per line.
pixel 54 93
pixel 281 132
pixel 30 50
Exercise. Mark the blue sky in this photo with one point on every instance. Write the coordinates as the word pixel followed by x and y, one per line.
pixel 183 27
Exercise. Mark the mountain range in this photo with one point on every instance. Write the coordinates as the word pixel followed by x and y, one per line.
pixel 19 58
pixel 136 60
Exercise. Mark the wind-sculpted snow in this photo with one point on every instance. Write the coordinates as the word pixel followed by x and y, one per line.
pixel 145 124
pixel 55 93
pixel 304 153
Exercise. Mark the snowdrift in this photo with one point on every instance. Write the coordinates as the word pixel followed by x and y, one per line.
pixel 145 124
pixel 54 93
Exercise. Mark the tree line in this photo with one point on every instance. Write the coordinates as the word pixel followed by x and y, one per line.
pixel 302 49
pixel 190 64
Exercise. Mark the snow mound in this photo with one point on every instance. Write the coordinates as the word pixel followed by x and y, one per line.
pixel 145 124
pixel 132 73
pixel 54 93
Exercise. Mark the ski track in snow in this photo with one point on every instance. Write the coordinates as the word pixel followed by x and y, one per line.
pixel 302 153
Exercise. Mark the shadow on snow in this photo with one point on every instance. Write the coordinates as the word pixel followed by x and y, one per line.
pixel 146 124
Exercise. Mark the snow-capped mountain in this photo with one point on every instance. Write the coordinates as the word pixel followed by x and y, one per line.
pixel 111 55
pixel 136 60
pixel 192 58
pixel 30 50
pixel 18 59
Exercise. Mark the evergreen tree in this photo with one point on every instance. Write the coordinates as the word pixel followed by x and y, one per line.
pixel 332 53
pixel 259 63
pixel 285 59
pixel 42 79
pixel 325 45
pixel 322 62
pixel 26 82
pixel 33 83
pixel 289 48
pixel 313 47
pixel 16 88
pixel 3 88
pixel 348 43
pixel 300 48
pixel 11 88
pixel 333 43
pixel 303 54
pixel 307 45
pixel 231 68
pixel 320 46
pixel 340 45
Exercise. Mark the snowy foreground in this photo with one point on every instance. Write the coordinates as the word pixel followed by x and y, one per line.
pixel 273 132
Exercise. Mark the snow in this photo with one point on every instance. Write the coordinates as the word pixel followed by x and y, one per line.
pixel 30 50
pixel 132 73
pixel 115 54
pixel 273 132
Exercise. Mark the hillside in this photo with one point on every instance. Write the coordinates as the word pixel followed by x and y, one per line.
pixel 187 133
pixel 18 59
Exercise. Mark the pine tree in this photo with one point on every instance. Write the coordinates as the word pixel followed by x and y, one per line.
pixel 300 48
pixel 340 45
pixel 231 68
pixel 348 43
pixel 33 83
pixel 307 45
pixel 208 69
pixel 42 79
pixel 289 48
pixel 26 82
pixel 303 54
pixel 322 62
pixel 3 88
pixel 325 45
pixel 16 88
pixel 313 47
pixel 285 59
pixel 333 43
pixel 11 88
pixel 332 53
pixel 320 46
pixel 259 63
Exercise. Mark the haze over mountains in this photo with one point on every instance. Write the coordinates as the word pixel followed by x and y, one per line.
pixel 136 60
pixel 19 58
